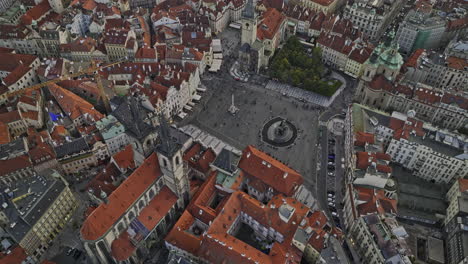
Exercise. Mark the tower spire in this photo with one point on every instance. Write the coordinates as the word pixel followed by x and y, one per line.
pixel 167 145
pixel 249 10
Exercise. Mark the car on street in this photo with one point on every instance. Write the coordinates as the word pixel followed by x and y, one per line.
pixel 331 163
pixel 331 174
pixel 70 251
pixel 332 156
pixel 331 167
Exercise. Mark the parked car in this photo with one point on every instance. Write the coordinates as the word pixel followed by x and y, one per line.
pixel 331 156
pixel 331 167
pixel 70 251
pixel 331 163
pixel 331 174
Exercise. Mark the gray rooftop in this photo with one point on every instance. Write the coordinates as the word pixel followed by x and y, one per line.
pixel 72 147
pixel 437 146
pixel 132 116
pixel 33 198
pixel 227 161
pixel 13 149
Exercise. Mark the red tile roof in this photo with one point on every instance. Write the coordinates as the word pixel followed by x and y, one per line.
pixel 362 138
pixel 413 59
pixel 102 219
pixel 218 245
pixel 122 248
pixel 14 164
pixel 36 12
pixel 199 206
pixel 73 105
pixel 458 100
pixel 403 129
pixel 457 63
pixel 463 185
pixel 4 133
pixel 79 45
pixel 125 159
pixel 199 158
pixel 150 216
pixel 366 159
pixel 275 174
pixel 182 239
pixel 374 201
pixel 158 208
pixel 17 255
pixel 270 24
pixel 103 181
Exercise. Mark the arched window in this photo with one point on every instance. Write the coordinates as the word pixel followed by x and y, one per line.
pixel 177 160
pixel 141 204
pixel 164 162
pixel 120 227
pixel 151 194
pixel 131 215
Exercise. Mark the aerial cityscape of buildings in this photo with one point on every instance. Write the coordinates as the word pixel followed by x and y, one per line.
pixel 234 131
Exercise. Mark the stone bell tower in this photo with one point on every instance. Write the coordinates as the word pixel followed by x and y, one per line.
pixel 249 23
pixel 169 153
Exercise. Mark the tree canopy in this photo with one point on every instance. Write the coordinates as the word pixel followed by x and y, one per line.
pixel 293 65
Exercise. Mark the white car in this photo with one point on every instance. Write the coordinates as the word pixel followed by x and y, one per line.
pixel 334 214
pixel 331 174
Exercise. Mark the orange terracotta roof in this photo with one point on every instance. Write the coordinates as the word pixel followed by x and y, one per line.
pixel 73 105
pixel 199 205
pixel 275 174
pixel 122 248
pixel 99 222
pixel 158 208
pixel 270 24
pixel 181 238
pixel 150 216
pixel 14 164
pixel 366 159
pixel 218 245
pixel 36 12
pixel 413 59
pixel 457 63
pixel 10 117
pixel 403 129
pixel 198 158
pixel 125 158
pixel 374 201
pixel 362 138
pixel 4 134
pixel 17 255
pixel 463 185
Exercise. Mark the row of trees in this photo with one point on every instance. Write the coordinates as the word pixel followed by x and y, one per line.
pixel 293 65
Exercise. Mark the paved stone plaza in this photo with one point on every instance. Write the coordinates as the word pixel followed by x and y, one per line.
pixel 256 106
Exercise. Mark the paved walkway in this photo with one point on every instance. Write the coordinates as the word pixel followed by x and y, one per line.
pixel 307 96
